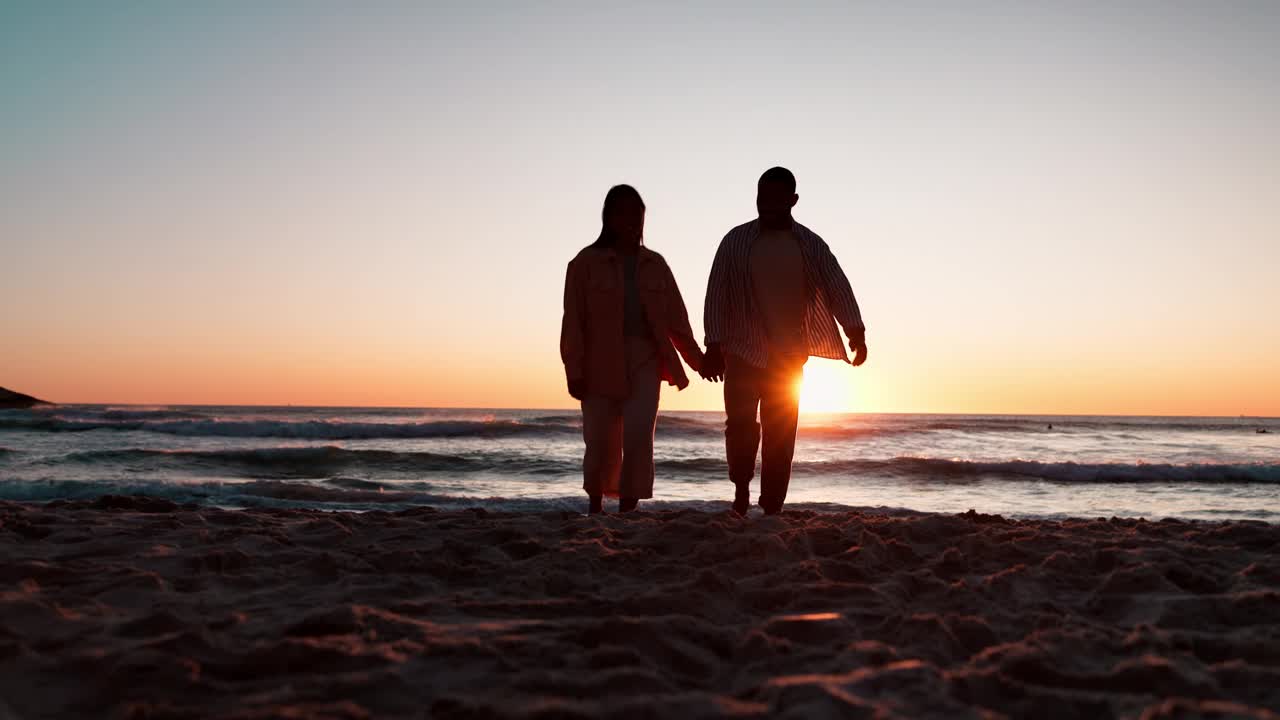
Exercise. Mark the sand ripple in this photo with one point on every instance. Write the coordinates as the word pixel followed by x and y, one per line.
pixel 135 607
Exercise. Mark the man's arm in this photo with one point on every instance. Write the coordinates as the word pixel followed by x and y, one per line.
pixel 843 304
pixel 678 324
pixel 714 313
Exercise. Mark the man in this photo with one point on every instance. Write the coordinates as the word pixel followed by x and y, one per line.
pixel 773 299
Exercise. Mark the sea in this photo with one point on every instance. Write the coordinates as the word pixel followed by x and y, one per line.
pixel 1190 468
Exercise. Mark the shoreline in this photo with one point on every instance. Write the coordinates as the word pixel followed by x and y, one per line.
pixel 302 497
pixel 139 607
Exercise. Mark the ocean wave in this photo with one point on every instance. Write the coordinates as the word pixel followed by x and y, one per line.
pixel 328 494
pixel 244 494
pixel 665 421
pixel 118 414
pixel 334 495
pixel 313 461
pixel 574 419
pixel 361 465
pixel 300 430
pixel 944 470
pixel 1093 424
pixel 935 469
pixel 546 426
pixel 304 425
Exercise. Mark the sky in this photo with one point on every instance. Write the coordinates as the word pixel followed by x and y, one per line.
pixel 1041 207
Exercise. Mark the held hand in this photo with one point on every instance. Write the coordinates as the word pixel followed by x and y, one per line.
pixel 858 344
pixel 712 364
pixel 578 388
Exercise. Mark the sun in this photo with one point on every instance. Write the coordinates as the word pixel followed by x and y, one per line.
pixel 826 387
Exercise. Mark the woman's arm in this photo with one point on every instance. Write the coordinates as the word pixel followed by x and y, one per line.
pixel 573 345
pixel 678 324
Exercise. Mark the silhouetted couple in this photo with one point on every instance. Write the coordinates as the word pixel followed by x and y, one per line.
pixel 773 299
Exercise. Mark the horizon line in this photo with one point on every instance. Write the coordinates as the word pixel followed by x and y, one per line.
pixel 721 410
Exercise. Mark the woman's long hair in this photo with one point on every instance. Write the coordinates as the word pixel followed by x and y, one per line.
pixel 616 194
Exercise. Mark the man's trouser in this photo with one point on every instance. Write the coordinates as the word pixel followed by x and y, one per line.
pixel 775 392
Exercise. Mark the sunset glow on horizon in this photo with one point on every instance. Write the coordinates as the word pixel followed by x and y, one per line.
pixel 1040 210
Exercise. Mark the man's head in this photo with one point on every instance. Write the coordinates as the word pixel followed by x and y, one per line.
pixel 775 196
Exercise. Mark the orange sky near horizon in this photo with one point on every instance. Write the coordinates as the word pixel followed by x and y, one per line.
pixel 281 379
pixel 1041 209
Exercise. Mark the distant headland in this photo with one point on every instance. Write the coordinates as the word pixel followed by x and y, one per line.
pixel 11 399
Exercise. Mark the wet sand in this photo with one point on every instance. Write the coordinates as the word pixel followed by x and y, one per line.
pixel 140 608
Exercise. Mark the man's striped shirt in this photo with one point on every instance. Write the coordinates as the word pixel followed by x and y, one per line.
pixel 731 318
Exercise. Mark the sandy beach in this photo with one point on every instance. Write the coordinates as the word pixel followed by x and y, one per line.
pixel 141 608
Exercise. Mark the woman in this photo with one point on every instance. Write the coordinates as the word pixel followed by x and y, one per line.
pixel 622 315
